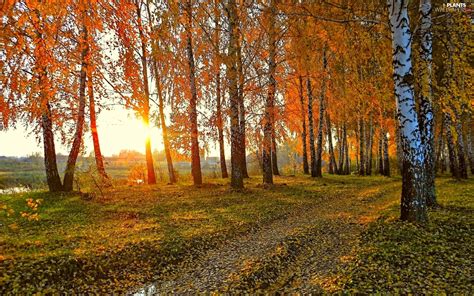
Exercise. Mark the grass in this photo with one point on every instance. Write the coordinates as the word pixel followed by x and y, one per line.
pixel 134 233
pixel 140 229
pixel 402 258
pixel 30 172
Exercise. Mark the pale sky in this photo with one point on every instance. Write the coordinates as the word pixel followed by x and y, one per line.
pixel 118 129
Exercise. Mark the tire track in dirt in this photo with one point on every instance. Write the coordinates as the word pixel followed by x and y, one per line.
pixel 299 253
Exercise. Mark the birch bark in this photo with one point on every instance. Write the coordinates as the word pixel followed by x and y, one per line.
pixel 425 98
pixel 413 203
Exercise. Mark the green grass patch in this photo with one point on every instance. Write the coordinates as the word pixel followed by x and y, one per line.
pixel 133 233
pixel 402 258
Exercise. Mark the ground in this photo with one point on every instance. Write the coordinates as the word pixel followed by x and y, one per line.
pixel 335 234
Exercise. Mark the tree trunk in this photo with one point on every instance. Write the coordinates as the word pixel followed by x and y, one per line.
pixel 453 163
pixel 440 149
pixel 341 149
pixel 275 170
pixel 76 144
pixel 319 147
pixel 52 175
pixel 270 101
pixel 99 160
pixel 368 165
pixel 469 149
pixel 258 155
pixel 444 165
pixel 380 152
pixel 236 156
pixel 146 102
pixel 386 160
pixel 50 164
pixel 425 98
pixel 413 203
pixel 267 141
pixel 460 146
pixel 311 128
pixel 161 106
pixel 398 142
pixel 303 134
pixel 151 178
pixel 243 136
pixel 332 157
pixel 195 157
pixel 357 146
pixel 164 128
pixel 242 120
pixel 347 163
pixel 220 125
pixel 361 147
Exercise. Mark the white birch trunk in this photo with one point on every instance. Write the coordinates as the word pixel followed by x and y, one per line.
pixel 425 98
pixel 413 204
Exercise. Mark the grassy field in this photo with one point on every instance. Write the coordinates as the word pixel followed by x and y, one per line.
pixel 30 173
pixel 401 258
pixel 132 234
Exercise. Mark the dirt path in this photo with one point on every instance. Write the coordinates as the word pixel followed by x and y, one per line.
pixel 302 252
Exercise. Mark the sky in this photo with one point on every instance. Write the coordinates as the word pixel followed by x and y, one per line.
pixel 119 129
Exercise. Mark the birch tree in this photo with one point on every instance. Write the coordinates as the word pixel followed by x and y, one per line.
pixel 386 160
pixel 270 99
pixel 99 159
pixel 312 148
pixel 146 100
pixel 425 97
pixel 237 176
pixel 35 72
pixel 77 140
pixel 303 134
pixel 322 97
pixel 195 157
pixel 154 29
pixel 413 203
pixel 217 65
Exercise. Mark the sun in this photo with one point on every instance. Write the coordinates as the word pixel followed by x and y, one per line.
pixel 126 131
pixel 145 129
